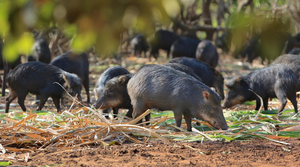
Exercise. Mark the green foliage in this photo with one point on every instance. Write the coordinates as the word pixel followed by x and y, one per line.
pixel 97 23
pixel 261 20
pixel 5 163
pixel 162 114
pixel 2 115
pixel 289 133
pixel 249 103
pixel 14 47
pixel 282 2
pixel 98 69
pixel 261 3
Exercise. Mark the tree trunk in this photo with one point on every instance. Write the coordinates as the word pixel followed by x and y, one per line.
pixel 221 11
pixel 207 18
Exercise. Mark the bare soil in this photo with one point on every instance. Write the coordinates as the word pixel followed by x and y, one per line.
pixel 254 152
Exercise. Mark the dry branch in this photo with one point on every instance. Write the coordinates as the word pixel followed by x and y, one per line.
pixel 197 27
pixel 261 104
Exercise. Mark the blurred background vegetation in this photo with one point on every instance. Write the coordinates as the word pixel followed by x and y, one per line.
pixel 107 24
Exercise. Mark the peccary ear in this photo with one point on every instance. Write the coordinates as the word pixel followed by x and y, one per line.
pixel 217 72
pixel 123 79
pixel 206 95
pixel 238 79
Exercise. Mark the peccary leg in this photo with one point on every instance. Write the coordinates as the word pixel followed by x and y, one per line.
pixel 282 98
pixel 265 101
pixel 188 120
pixel 283 103
pixel 138 110
pixel 106 112
pixel 86 87
pixel 43 100
pixel 129 113
pixel 178 118
pixel 12 96
pixel 258 103
pixel 115 111
pixel 294 102
pixel 21 98
pixel 147 117
pixel 56 103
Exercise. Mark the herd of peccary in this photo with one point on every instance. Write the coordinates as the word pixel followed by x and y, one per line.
pixel 189 84
pixel 267 46
pixel 65 74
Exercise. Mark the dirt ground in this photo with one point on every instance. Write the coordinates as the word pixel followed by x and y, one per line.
pixel 255 152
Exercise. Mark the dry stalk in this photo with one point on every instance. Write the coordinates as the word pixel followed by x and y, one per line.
pixel 140 117
pixel 261 104
pixel 204 135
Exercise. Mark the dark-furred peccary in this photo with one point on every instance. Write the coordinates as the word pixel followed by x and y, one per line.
pixel 139 45
pixel 224 41
pixel 39 78
pixel 292 61
pixel 207 53
pixel 276 80
pixel 210 76
pixel 163 39
pixel 77 64
pixel 41 51
pixel 250 50
pixel 268 46
pixel 183 68
pixel 164 88
pixel 184 47
pixel 103 97
pixel 115 95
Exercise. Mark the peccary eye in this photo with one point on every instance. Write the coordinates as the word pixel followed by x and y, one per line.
pixel 108 91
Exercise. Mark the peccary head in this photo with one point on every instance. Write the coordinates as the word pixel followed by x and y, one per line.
pixel 114 93
pixel 237 92
pixel 211 110
pixel 72 84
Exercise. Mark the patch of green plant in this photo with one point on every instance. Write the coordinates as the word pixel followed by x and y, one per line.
pixel 169 121
pixel 269 112
pixel 5 163
pixel 250 102
pixel 2 116
pixel 162 114
pixel 98 68
pixel 289 133
pixel 42 112
pixel 19 115
pixel 203 128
